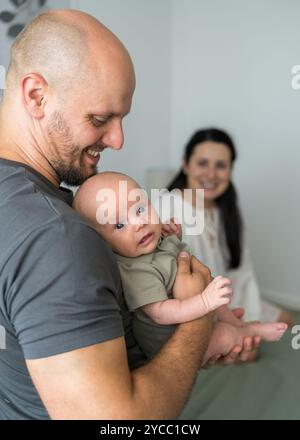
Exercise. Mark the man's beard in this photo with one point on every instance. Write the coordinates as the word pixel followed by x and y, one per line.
pixel 67 153
pixel 71 175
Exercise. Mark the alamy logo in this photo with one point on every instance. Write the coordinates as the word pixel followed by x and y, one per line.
pixel 2 338
pixel 124 206
pixel 296 77
pixel 296 338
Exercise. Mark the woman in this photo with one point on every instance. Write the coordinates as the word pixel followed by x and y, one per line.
pixel 208 162
pixel 267 389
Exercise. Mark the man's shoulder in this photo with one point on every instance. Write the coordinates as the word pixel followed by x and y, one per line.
pixel 28 199
pixel 31 210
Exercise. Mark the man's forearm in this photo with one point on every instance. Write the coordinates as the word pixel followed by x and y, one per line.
pixel 161 387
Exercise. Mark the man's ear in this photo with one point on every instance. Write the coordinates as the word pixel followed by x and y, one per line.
pixel 34 92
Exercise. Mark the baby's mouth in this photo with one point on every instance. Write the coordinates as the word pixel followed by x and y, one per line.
pixel 146 238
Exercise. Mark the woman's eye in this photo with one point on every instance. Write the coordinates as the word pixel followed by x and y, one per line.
pixel 120 225
pixel 202 163
pixel 140 210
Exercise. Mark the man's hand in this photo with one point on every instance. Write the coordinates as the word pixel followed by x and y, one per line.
pixel 192 277
pixel 246 353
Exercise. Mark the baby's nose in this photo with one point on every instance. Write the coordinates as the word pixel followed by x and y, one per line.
pixel 140 222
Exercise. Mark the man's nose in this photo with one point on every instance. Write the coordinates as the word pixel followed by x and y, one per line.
pixel 114 136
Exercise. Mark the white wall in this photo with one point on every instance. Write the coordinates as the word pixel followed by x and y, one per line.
pixel 145 29
pixel 231 68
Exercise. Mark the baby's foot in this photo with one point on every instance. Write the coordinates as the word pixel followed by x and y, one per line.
pixel 217 293
pixel 270 331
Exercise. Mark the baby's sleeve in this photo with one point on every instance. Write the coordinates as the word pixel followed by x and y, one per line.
pixel 142 284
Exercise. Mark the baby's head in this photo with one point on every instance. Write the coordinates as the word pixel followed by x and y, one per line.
pixel 121 212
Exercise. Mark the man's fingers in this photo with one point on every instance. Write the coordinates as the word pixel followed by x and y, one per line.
pixel 248 343
pixel 248 347
pixel 184 263
pixel 231 358
pixel 197 266
pixel 238 312
pixel 211 361
pixel 257 340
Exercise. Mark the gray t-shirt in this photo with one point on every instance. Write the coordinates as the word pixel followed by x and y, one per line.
pixel 60 288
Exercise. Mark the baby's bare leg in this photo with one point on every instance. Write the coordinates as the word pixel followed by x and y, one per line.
pixel 225 336
pixel 270 331
pixel 225 314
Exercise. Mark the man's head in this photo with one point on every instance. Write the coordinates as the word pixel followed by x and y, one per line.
pixel 71 81
pixel 121 212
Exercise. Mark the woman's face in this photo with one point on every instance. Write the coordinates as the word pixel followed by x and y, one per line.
pixel 209 168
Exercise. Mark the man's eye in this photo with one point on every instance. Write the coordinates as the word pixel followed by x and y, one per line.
pixel 120 225
pixel 140 210
pixel 98 122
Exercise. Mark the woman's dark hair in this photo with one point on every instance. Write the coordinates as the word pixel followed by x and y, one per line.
pixel 227 202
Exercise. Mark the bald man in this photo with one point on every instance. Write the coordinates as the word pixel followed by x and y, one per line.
pixel 69 351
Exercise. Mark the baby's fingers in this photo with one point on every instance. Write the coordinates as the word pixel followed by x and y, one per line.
pixel 222 282
pixel 170 228
pixel 222 300
pixel 225 291
pixel 174 228
pixel 166 230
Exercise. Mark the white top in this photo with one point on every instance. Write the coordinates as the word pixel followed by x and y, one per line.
pixel 210 248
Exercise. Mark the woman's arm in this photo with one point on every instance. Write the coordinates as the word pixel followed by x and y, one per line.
pixel 177 311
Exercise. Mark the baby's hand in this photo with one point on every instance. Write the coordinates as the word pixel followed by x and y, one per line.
pixel 217 293
pixel 171 227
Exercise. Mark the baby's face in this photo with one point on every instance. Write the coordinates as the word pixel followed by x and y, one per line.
pixel 135 233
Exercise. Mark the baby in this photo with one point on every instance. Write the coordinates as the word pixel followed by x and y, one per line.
pixel 148 265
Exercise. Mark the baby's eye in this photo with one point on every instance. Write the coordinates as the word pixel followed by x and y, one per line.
pixel 140 210
pixel 120 225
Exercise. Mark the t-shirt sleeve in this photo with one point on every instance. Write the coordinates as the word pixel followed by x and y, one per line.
pixel 142 284
pixel 65 292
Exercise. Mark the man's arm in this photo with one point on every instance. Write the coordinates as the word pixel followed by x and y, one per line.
pixel 95 382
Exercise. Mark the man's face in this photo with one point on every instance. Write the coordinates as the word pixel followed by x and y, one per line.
pixel 84 122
